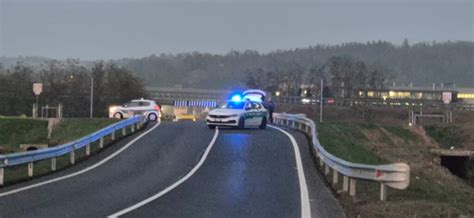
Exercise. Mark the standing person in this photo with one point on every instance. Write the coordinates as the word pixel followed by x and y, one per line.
pixel 270 108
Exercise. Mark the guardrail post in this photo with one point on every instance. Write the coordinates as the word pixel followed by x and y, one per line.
pixel 293 124
pixel 72 158
pixel 88 149
pixel 321 162
pixel 307 129
pixel 30 169
pixel 101 142
pixel 2 176
pixel 53 164
pixel 335 176
pixel 345 183
pixel 124 131
pixel 326 170
pixel 383 192
pixel 352 190
pixel 300 126
pixel 113 135
pixel 133 127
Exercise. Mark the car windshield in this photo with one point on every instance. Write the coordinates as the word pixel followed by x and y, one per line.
pixel 234 105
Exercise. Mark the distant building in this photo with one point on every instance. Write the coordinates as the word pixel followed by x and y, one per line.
pixel 465 95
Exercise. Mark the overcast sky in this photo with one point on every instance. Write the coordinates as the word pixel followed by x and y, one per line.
pixel 104 29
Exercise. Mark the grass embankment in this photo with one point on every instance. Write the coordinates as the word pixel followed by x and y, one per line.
pixel 433 191
pixel 75 128
pixel 15 131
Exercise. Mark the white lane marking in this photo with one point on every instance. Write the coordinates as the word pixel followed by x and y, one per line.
pixel 305 207
pixel 173 186
pixel 81 171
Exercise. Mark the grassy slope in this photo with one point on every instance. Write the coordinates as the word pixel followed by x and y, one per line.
pixel 75 128
pixel 346 142
pixel 15 131
pixel 433 191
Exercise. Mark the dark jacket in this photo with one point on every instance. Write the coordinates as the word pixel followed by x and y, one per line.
pixel 270 106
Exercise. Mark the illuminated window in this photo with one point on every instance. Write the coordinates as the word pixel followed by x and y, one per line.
pixel 394 94
pixel 466 96
pixel 370 94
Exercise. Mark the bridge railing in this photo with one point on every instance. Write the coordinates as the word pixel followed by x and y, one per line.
pixel 395 175
pixel 29 157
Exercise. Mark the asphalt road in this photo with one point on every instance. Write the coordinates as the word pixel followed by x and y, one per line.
pixel 247 173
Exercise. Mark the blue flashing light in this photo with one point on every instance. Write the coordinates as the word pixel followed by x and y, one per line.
pixel 236 98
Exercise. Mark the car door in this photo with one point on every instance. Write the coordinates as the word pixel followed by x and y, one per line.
pixel 248 114
pixel 130 107
pixel 257 114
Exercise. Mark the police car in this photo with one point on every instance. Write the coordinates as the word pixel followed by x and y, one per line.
pixel 148 108
pixel 238 112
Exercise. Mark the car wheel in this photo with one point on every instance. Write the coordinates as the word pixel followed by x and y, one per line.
pixel 118 116
pixel 263 124
pixel 241 123
pixel 211 126
pixel 152 117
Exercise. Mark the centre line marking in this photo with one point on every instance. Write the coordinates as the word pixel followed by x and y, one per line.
pixel 173 186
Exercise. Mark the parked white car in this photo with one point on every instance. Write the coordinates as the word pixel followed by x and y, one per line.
pixel 148 108
pixel 239 113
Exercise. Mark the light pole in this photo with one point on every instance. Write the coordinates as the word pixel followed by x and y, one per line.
pixel 92 97
pixel 321 103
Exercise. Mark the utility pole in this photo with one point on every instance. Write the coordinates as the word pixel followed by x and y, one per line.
pixel 92 97
pixel 321 103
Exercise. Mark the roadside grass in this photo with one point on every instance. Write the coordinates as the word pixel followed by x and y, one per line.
pixel 446 136
pixel 16 131
pixel 403 133
pixel 74 128
pixel 346 141
pixel 433 191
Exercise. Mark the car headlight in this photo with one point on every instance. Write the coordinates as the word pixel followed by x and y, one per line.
pixel 112 109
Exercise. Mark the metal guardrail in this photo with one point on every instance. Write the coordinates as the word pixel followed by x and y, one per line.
pixel 395 175
pixel 29 157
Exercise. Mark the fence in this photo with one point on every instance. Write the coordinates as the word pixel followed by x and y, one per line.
pixel 29 157
pixel 396 175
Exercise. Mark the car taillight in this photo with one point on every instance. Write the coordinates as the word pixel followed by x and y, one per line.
pixel 157 108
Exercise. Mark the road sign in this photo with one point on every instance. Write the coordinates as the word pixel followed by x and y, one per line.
pixel 37 88
pixel 447 97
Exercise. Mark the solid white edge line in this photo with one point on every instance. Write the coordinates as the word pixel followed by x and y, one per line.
pixel 83 170
pixel 173 186
pixel 304 196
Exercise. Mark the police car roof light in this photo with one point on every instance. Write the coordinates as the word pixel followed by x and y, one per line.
pixel 236 98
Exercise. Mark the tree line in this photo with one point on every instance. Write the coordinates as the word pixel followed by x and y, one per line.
pixel 67 83
pixel 420 64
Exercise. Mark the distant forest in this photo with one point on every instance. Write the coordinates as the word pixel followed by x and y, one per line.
pixel 421 64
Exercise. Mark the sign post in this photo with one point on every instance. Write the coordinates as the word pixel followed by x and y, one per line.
pixel 37 89
pixel 447 97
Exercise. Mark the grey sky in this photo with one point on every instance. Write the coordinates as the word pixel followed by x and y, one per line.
pixel 93 29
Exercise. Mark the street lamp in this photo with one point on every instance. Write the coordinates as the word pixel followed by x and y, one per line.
pixel 321 103
pixel 92 97
pixel 91 113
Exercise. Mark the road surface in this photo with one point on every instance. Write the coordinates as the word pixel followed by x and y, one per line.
pixel 246 173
